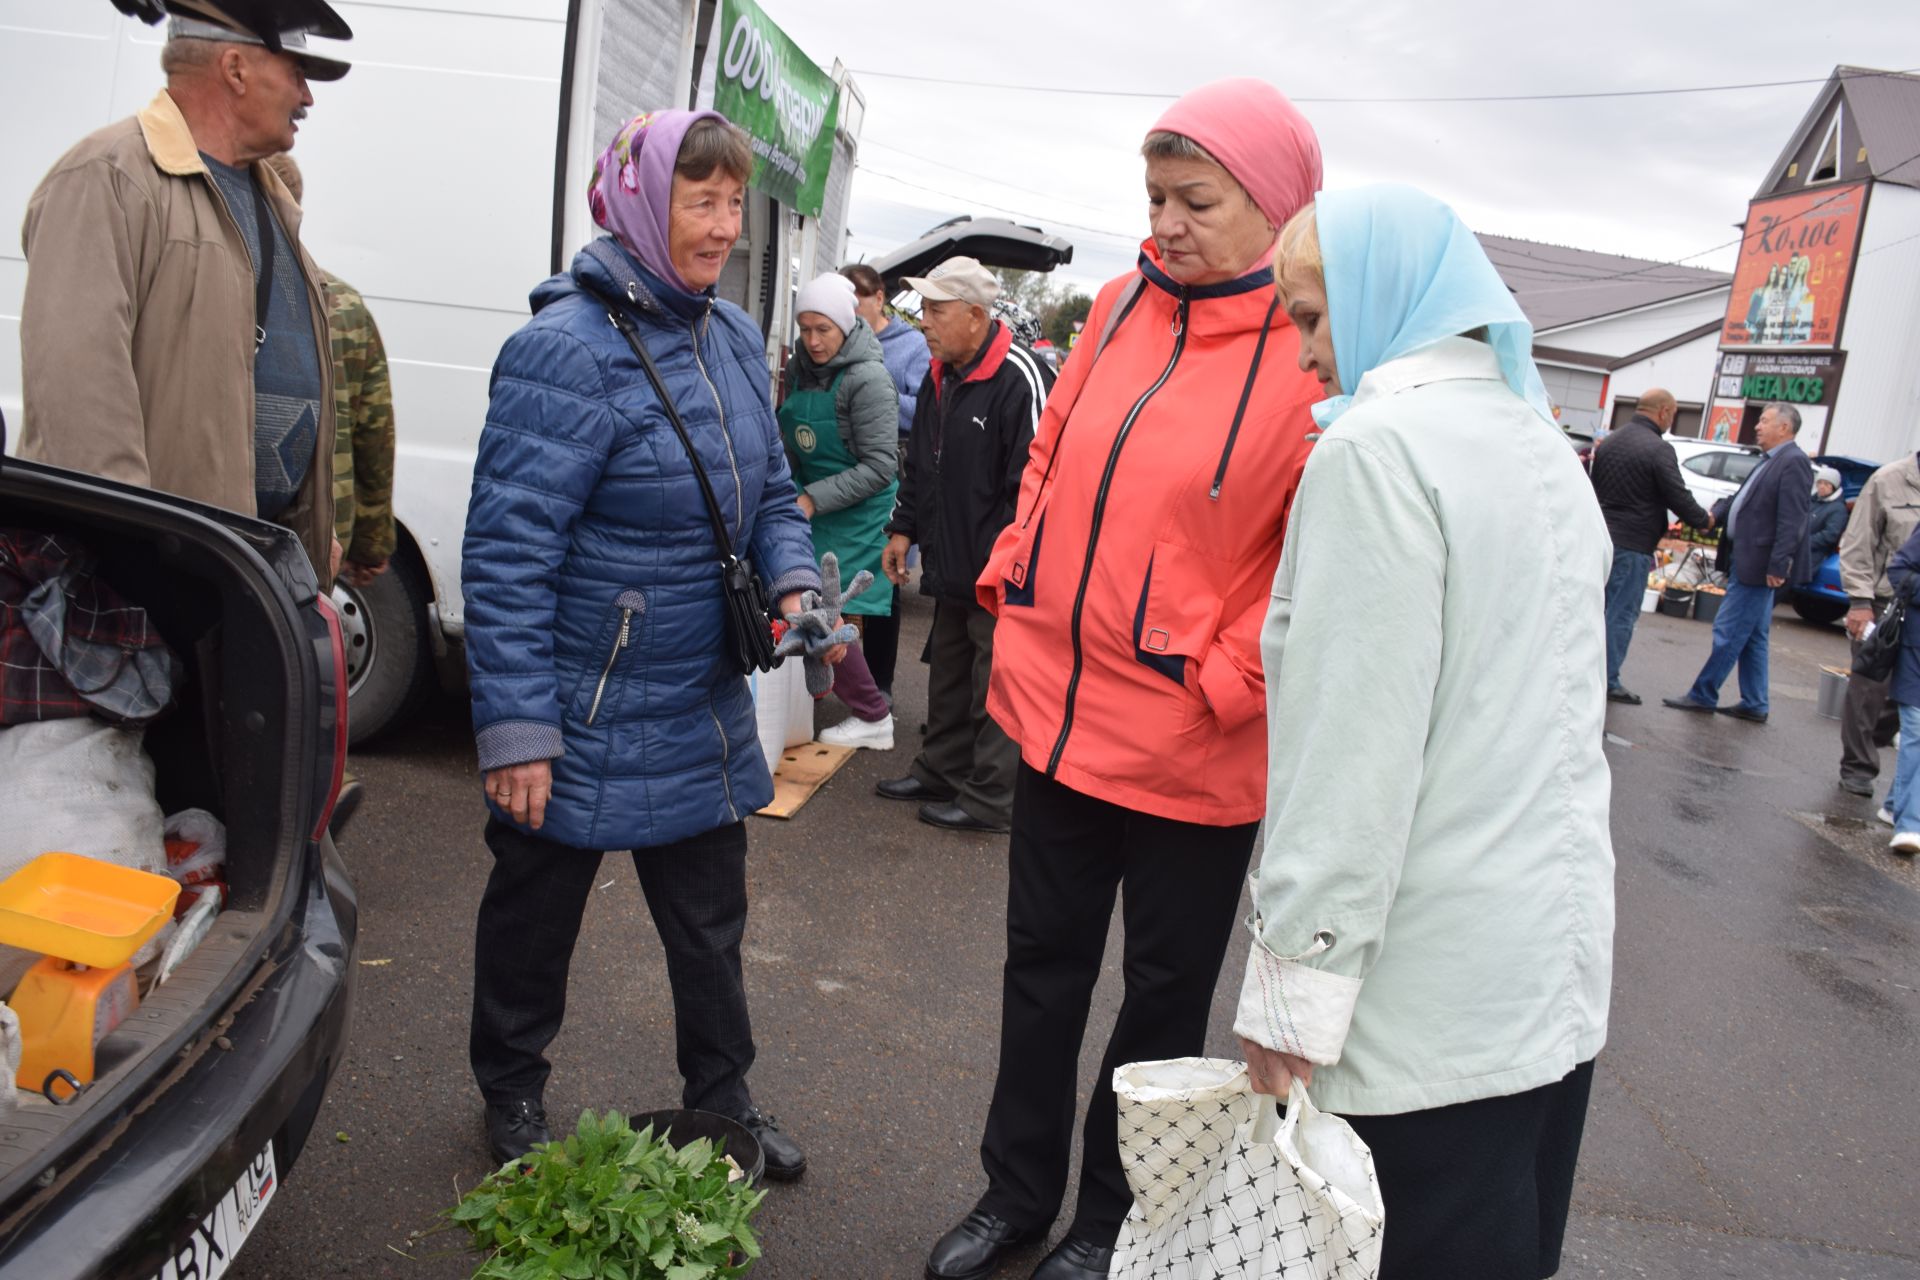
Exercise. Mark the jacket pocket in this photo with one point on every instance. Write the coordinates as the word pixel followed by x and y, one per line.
pixel 595 695
pixel 1017 586
pixel 1178 614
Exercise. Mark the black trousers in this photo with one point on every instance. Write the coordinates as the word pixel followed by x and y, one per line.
pixel 880 637
pixel 696 890
pixel 1479 1190
pixel 1180 881
pixel 965 752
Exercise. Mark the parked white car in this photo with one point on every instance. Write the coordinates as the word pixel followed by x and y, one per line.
pixel 1714 470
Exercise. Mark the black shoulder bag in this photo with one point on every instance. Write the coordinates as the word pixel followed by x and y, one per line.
pixel 749 618
pixel 1879 652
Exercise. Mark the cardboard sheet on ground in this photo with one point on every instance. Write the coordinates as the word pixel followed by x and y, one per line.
pixel 802 771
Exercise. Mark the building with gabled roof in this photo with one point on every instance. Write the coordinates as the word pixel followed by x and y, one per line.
pixel 1607 326
pixel 1824 310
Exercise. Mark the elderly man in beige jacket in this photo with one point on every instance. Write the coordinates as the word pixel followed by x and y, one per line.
pixel 1884 516
pixel 173 332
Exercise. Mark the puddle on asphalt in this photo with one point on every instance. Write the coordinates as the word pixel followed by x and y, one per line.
pixel 1883 1011
pixel 1863 839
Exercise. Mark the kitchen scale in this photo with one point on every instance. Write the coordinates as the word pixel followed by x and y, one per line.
pixel 86 917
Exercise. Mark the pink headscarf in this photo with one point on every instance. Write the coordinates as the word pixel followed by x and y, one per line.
pixel 1261 138
pixel 632 188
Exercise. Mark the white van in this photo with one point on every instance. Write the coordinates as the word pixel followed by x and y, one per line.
pixel 445 177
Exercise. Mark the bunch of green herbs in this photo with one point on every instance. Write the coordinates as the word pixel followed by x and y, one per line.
pixel 612 1204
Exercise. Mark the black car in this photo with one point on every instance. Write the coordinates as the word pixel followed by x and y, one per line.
pixel 205 1096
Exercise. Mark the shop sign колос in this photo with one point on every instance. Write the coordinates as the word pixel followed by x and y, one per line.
pixel 1790 284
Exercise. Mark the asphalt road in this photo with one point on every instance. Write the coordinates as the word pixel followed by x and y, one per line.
pixel 1753 1112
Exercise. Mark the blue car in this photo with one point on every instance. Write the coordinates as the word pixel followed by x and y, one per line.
pixel 1821 599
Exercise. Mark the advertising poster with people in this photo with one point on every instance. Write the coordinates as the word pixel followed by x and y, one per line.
pixel 1791 281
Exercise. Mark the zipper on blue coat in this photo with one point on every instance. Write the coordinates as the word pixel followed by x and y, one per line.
pixel 726 758
pixel 699 331
pixel 626 633
pixel 1099 515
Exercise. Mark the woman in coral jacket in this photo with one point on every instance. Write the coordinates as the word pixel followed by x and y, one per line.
pixel 1130 590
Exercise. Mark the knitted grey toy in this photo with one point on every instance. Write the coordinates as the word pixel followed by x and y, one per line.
pixel 811 632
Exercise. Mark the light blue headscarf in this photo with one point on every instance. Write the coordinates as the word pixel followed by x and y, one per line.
pixel 1403 271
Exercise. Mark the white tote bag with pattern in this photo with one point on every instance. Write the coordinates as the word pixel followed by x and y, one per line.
pixel 1227 1188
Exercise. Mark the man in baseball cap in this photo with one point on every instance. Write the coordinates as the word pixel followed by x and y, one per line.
pixel 161 248
pixel 959 479
pixel 958 280
pixel 281 26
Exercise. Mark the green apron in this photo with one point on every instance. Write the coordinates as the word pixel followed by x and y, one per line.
pixel 810 425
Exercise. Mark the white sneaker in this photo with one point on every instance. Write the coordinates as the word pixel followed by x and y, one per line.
pixel 874 735
pixel 1907 842
pixel 1885 815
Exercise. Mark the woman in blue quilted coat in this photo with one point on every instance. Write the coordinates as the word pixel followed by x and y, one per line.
pixel 607 713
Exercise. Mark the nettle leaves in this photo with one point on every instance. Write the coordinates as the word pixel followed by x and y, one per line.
pixel 612 1204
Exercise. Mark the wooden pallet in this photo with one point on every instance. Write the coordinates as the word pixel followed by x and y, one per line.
pixel 803 770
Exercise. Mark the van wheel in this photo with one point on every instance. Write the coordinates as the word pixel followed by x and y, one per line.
pixel 389 664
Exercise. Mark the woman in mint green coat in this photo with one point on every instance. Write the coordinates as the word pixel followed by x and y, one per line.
pixel 839 423
pixel 1433 913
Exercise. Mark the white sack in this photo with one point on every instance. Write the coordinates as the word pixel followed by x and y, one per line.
pixel 782 709
pixel 9 1058
pixel 76 786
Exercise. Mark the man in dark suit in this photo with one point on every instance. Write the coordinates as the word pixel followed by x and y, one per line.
pixel 1763 549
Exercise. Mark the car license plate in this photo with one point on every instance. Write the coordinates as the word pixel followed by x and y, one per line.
pixel 208 1251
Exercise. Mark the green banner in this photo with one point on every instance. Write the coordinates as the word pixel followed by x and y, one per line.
pixel 766 85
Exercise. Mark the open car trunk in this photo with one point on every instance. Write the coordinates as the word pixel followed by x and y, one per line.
pixel 233 598
pixel 994 242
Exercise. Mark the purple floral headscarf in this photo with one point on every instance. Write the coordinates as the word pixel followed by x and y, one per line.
pixel 632 187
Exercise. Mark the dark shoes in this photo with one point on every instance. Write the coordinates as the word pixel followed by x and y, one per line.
pixel 515 1128
pixel 937 807
pixel 1856 786
pixel 1620 693
pixel 954 818
pixel 1736 711
pixel 971 1250
pixel 785 1160
pixel 1075 1259
pixel 1686 704
pixel 909 788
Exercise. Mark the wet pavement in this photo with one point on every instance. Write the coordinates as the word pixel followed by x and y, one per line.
pixel 1752 1112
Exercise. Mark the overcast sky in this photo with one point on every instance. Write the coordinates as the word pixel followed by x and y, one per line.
pixel 1657 177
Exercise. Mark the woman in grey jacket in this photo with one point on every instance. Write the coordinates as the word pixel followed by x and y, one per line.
pixel 838 422
pixel 904 349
